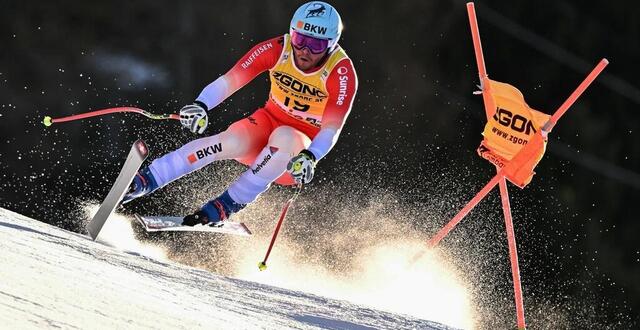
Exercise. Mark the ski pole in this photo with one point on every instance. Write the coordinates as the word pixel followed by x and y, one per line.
pixel 48 121
pixel 263 264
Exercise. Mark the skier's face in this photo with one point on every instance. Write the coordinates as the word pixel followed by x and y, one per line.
pixel 305 59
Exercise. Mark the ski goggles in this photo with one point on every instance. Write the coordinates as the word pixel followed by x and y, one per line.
pixel 316 46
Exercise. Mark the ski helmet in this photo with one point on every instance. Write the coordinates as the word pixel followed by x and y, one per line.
pixel 319 20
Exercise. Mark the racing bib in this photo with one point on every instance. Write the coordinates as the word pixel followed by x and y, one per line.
pixel 300 95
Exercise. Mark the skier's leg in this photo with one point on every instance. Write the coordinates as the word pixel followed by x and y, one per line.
pixel 235 142
pixel 284 143
pixel 241 139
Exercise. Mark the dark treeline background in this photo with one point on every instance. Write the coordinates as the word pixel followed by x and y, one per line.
pixel 412 132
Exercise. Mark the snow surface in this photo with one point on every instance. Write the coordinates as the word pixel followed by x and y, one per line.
pixel 53 278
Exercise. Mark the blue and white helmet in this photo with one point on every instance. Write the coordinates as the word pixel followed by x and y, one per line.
pixel 319 20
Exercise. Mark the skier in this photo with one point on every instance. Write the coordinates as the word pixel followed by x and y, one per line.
pixel 313 84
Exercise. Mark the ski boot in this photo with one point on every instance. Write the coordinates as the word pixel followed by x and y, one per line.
pixel 143 184
pixel 214 212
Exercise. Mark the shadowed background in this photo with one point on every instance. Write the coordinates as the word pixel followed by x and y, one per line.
pixel 411 135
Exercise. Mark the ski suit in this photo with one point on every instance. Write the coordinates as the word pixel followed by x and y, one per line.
pixel 305 110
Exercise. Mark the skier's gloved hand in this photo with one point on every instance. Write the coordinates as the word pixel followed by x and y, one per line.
pixel 194 117
pixel 302 166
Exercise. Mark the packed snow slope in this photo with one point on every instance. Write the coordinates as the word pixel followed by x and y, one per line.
pixel 52 278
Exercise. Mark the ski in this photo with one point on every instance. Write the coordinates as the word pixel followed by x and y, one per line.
pixel 173 223
pixel 137 155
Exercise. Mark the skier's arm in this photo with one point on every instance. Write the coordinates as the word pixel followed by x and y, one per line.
pixel 342 85
pixel 260 58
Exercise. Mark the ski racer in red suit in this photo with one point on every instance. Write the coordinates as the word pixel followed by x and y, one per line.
pixel 313 85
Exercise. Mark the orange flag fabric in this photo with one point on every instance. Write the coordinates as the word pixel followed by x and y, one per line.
pixel 513 137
